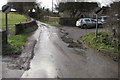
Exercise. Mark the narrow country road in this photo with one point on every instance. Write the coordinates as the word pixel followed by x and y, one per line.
pixel 53 59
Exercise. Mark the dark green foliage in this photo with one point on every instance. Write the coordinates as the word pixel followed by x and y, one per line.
pixel 68 21
pixel 114 21
pixel 31 9
pixel 74 7
pixel 22 7
pixel 104 41
pixel 18 6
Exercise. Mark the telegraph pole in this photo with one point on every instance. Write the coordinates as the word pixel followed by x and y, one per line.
pixel 52 6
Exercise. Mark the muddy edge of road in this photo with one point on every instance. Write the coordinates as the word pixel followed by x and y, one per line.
pixel 70 41
pixel 78 43
pixel 20 63
pixel 17 64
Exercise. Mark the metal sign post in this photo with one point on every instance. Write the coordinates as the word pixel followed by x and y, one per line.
pixel 96 33
pixel 97 12
pixel 6 9
pixel 6 16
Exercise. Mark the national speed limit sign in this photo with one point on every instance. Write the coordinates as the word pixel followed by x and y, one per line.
pixel 6 9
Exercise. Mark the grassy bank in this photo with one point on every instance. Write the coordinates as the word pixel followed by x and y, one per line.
pixel 13 18
pixel 103 43
pixel 51 23
pixel 16 42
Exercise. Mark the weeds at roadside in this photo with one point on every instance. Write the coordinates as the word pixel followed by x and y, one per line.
pixel 15 43
pixel 104 42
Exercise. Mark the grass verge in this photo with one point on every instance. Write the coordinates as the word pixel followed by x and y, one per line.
pixel 103 43
pixel 15 43
pixel 51 23
pixel 13 18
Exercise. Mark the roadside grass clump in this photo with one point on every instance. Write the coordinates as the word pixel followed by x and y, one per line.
pixel 103 42
pixel 51 23
pixel 14 45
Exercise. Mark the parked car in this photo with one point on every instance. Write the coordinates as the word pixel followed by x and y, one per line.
pixel 103 18
pixel 99 22
pixel 87 23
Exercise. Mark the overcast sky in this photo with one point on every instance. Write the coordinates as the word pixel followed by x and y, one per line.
pixel 2 3
pixel 48 3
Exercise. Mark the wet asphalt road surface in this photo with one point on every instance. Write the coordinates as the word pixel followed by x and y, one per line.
pixel 54 59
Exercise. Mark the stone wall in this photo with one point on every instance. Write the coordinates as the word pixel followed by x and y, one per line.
pixel 19 28
pixel 3 36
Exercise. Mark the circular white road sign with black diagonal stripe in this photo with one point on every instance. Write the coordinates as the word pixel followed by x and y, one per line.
pixel 6 9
